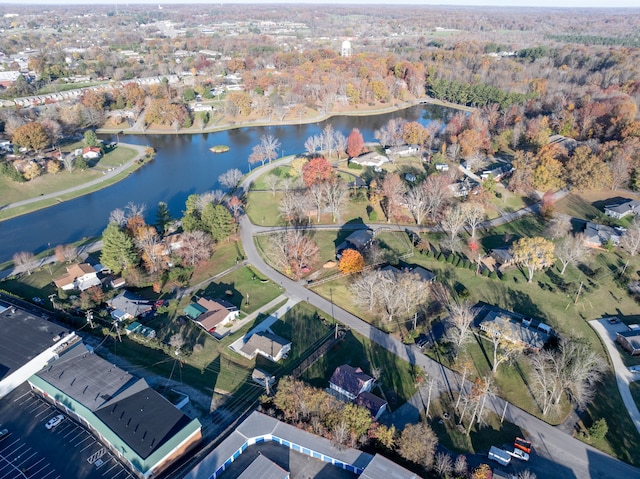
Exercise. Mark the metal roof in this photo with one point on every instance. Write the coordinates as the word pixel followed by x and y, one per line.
pixel 264 469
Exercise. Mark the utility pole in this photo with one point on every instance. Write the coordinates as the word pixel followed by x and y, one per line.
pixel 578 294
pixel 117 330
pixel 90 318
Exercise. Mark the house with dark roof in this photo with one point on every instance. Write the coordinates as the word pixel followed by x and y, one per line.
pixel 391 272
pixel 27 344
pixel 209 313
pixel 359 240
pixel 629 340
pixel 139 426
pixel 349 382
pixel 128 305
pixel 596 236
pixel 372 403
pixel 79 276
pixel 269 345
pixel 623 208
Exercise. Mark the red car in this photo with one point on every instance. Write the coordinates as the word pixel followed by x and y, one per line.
pixel 523 445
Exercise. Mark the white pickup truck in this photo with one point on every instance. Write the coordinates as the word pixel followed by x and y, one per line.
pixel 499 455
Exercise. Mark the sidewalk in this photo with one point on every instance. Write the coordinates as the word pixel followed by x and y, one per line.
pixel 264 325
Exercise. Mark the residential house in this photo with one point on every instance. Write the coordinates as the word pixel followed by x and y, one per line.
pixel 91 153
pixel 497 173
pixel 502 257
pixel 462 188
pixel 442 167
pixel 213 313
pixel 128 305
pixel 403 150
pixel 568 143
pixel 371 158
pixel 137 328
pixel 410 177
pixel 528 333
pixel 349 382
pixel 359 240
pixel 79 276
pixel 269 345
pixel 424 274
pixel 623 208
pixel 596 236
pixel 8 78
pixel 375 405
pixel 629 340
pixel 263 378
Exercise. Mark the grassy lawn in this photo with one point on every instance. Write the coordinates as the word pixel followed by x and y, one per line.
pixel 634 387
pixel 262 208
pixel 281 172
pixel 116 157
pixel 38 284
pixel 224 257
pixel 397 377
pixel 590 205
pixel 235 287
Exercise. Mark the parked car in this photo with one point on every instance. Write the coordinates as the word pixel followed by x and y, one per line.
pixel 423 341
pixel 634 369
pixel 3 433
pixel 520 454
pixel 523 445
pixel 54 421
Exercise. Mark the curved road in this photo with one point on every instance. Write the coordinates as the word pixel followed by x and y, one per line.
pixel 556 453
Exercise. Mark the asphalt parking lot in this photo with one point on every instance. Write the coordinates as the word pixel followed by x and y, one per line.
pixel 68 450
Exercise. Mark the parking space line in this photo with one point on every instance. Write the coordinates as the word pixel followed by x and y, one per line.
pixel 34 453
pixel 71 431
pixel 20 397
pixel 119 472
pixel 87 447
pixel 52 471
pixel 88 437
pixel 42 469
pixel 76 436
pixel 44 411
pixel 105 472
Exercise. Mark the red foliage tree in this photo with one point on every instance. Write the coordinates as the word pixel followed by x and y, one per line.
pixel 355 143
pixel 316 170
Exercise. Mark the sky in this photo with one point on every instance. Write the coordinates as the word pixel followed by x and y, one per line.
pixel 502 3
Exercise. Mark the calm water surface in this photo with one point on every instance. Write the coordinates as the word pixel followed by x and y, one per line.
pixel 183 165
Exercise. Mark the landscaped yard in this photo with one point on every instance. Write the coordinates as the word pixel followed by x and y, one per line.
pixel 397 377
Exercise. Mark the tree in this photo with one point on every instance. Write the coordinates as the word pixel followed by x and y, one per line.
pixel 270 146
pixel 90 138
pixel 315 195
pixel 292 252
pixel 148 241
pixel 32 136
pixel 317 170
pixel 53 166
pixel 271 182
pixel 452 222
pixel 474 214
pixel 585 171
pixel 217 221
pixel 436 189
pixel 504 349
pixel 31 170
pixel 413 133
pixel 393 190
pixel 364 289
pixel 231 178
pixel 418 443
pixel 335 193
pixel 416 200
pixel 235 206
pixel 573 369
pixel 459 322
pixel 559 226
pixel 355 143
pixel 118 253
pixel 630 240
pixel 483 471
pixel 25 260
pixel 533 254
pixel 196 248
pixel 351 261
pixel 571 249
pixel 443 464
pixel 163 217
pixel 66 253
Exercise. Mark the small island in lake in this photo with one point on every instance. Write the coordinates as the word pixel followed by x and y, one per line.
pixel 219 148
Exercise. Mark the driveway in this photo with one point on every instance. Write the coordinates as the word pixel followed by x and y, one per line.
pixel 607 332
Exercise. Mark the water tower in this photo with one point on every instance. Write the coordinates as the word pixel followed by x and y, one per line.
pixel 346 49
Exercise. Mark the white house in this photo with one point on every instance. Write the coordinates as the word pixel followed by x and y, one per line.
pixel 269 345
pixel 79 276
pixel 91 152
pixel 350 382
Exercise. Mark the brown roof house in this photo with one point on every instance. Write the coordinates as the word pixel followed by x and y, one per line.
pixel 269 345
pixel 79 276
pixel 213 313
pixel 528 333
pixel 374 404
pixel 349 382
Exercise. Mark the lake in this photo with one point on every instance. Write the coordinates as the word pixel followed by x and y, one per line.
pixel 183 165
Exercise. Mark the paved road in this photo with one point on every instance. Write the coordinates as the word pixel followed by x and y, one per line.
pixel 561 455
pixel 108 174
pixel 607 332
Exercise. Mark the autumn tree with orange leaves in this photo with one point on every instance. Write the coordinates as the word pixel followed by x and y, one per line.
pixel 317 170
pixel 355 143
pixel 351 261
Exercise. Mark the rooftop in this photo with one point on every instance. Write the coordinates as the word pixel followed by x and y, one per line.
pixel 268 343
pixel 23 336
pixel 264 469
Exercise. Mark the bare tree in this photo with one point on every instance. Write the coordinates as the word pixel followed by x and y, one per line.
pixel 340 143
pixel 526 474
pixel 364 289
pixel 460 467
pixel 436 191
pixel 335 193
pixel 416 200
pixel 452 223
pixel 328 139
pixel 620 167
pixel 570 250
pixel 135 209
pixel 312 144
pixel 459 323
pixel 316 195
pixel 272 182
pixel 630 240
pixel 118 217
pixel 196 247
pixel 443 464
pixel 66 252
pixel 270 146
pixel 215 196
pixel 413 293
pixel 149 242
pixel 177 342
pixel 25 260
pixel 559 226
pixel 473 215
pixel 231 178
pixel 292 206
pixel 69 162
pixel 503 348
pixel 389 294
pixel 292 252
